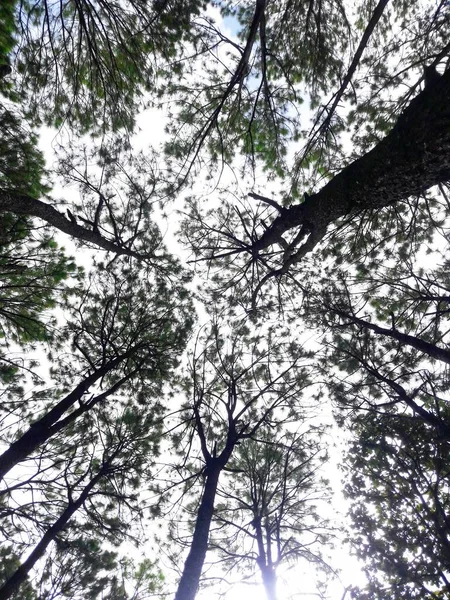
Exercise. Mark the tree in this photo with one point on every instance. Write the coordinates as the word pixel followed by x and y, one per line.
pixel 415 165
pixel 87 65
pixel 33 275
pixel 248 98
pixel 267 510
pixel 117 192
pixel 239 382
pixel 386 331
pixel 98 478
pixel 398 488
pixel 377 78
pixel 386 328
pixel 266 240
pixel 126 335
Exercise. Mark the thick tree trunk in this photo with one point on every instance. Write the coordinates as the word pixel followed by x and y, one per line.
pixel 20 204
pixel 413 157
pixel 21 574
pixel 187 588
pixel 42 429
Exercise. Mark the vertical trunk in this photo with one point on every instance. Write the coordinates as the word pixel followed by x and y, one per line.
pixel 270 581
pixel 187 588
pixel 21 574
pixel 264 559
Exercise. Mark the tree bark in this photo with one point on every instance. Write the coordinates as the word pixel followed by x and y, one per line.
pixel 189 582
pixel 428 417
pixel 413 157
pixel 42 429
pixel 20 204
pixel 21 574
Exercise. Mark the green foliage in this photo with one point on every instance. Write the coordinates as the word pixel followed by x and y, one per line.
pixel 9 562
pixel 33 274
pixel 253 108
pixel 258 99
pixel 120 313
pixel 399 493
pixel 116 449
pixel 21 162
pixel 88 64
pixel 77 568
pixel 7 29
pixel 267 514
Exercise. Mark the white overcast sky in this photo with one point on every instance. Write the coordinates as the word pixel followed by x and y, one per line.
pixel 292 583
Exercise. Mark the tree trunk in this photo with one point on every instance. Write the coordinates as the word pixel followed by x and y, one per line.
pixel 270 581
pixel 428 417
pixel 42 429
pixel 432 350
pixel 187 588
pixel 21 574
pixel 264 559
pixel 20 204
pixel 413 157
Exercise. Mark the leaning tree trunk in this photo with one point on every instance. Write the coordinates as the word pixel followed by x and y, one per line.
pixel 432 350
pixel 44 428
pixel 20 204
pixel 21 574
pixel 413 157
pixel 189 582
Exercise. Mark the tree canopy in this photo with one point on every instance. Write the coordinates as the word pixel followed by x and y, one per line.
pixel 305 168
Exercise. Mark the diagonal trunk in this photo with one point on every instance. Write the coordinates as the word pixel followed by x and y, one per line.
pixel 413 157
pixel 42 429
pixel 21 574
pixel 20 204
pixel 428 417
pixel 432 350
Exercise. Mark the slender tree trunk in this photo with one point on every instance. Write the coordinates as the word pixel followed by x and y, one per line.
pixel 264 560
pixel 42 429
pixel 189 582
pixel 431 350
pixel 428 417
pixel 21 574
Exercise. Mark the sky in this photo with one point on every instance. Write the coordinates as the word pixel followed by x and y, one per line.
pixel 293 584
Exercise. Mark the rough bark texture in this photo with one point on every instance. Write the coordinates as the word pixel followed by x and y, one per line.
pixel 187 588
pixel 413 157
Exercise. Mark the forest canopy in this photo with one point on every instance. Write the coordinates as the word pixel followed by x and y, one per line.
pixel 197 330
